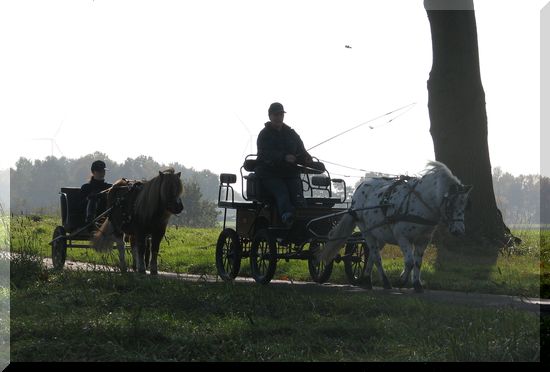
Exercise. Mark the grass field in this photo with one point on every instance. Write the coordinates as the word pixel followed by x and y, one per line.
pixel 188 250
pixel 102 316
pixel 106 316
pixel 545 264
pixel 4 290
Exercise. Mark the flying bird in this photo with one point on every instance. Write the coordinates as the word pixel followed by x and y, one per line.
pixel 347 46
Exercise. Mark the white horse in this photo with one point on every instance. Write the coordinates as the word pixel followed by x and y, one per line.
pixel 402 211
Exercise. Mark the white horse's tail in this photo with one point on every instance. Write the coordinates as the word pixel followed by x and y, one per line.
pixel 336 238
pixel 102 240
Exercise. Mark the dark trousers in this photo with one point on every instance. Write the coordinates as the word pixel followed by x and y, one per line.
pixel 287 192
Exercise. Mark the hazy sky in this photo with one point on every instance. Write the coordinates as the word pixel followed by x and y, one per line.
pixel 191 81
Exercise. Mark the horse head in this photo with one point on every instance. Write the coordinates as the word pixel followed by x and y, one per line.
pixel 171 191
pixel 453 207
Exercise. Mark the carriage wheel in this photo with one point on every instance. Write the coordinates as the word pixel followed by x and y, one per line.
pixel 357 253
pixel 228 254
pixel 319 270
pixel 263 257
pixel 59 248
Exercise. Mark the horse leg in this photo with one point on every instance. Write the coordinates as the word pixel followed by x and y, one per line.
pixel 147 256
pixel 155 244
pixel 418 254
pixel 140 253
pixel 133 246
pixel 121 254
pixel 378 262
pixel 407 250
pixel 367 279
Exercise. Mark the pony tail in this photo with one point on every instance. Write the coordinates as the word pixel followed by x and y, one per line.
pixel 336 238
pixel 103 239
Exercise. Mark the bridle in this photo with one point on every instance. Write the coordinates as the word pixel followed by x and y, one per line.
pixel 449 200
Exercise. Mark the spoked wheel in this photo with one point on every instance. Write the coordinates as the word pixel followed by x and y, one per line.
pixel 263 257
pixel 355 262
pixel 228 254
pixel 59 248
pixel 320 271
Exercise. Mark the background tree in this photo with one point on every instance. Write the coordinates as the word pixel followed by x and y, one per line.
pixel 5 189
pixel 459 120
pixel 545 200
pixel 518 197
pixel 197 211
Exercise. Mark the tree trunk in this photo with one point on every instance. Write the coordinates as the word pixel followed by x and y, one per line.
pixel 456 102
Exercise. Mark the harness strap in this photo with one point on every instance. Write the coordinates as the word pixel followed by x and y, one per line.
pixel 422 201
pixel 401 215
pixel 353 213
pixel 123 204
pixel 410 218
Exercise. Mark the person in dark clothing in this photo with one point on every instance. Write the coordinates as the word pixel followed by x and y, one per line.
pixel 89 191
pixel 280 152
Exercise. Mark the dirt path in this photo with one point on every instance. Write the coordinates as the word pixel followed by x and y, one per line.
pixel 536 305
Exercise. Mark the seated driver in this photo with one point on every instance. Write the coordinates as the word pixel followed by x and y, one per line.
pixel 280 150
pixel 89 191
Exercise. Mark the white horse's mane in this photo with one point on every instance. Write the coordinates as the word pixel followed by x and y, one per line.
pixel 440 172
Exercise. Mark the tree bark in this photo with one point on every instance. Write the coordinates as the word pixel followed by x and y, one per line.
pixel 458 122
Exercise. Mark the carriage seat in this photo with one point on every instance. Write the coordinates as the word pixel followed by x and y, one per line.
pixel 73 214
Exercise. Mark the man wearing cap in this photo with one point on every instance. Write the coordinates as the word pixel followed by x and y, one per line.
pixel 280 150
pixel 89 191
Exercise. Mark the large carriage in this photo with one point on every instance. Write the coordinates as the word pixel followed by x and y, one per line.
pixel 260 235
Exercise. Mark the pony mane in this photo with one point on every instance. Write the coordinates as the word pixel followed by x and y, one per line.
pixel 153 196
pixel 441 173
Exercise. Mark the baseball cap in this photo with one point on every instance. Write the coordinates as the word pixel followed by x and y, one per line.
pixel 275 107
pixel 98 165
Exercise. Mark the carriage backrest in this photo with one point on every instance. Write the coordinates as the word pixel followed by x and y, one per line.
pixel 250 164
pixel 72 211
pixel 254 190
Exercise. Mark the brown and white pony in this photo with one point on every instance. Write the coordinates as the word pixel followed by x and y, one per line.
pixel 140 209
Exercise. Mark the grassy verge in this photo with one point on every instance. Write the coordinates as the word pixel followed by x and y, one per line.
pixel 545 264
pixel 4 289
pixel 192 251
pixel 100 316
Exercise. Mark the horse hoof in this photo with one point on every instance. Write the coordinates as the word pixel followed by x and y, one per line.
pixel 154 272
pixel 142 272
pixel 388 286
pixel 418 287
